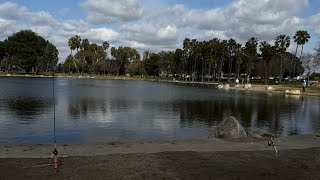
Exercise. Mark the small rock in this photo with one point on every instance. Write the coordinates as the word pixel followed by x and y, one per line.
pixel 270 88
pixel 220 86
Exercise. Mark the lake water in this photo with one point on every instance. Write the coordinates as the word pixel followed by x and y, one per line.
pixel 93 110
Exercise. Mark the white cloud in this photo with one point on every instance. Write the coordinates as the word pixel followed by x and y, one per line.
pixel 12 11
pixel 313 22
pixel 6 27
pixel 168 32
pixel 209 34
pixel 150 26
pixel 265 11
pixel 73 25
pixel 105 11
pixel 44 31
pixel 149 33
pixel 98 35
pixel 4 24
pixel 42 18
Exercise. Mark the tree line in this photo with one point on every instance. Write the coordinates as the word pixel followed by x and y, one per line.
pixel 25 51
pixel 209 60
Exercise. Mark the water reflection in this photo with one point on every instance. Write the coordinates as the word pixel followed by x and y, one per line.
pixel 272 113
pixel 103 110
pixel 27 108
pixel 81 108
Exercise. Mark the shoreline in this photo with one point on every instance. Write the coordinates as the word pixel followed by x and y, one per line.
pixel 34 150
pixel 279 89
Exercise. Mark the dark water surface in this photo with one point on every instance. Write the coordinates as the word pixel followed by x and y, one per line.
pixel 91 110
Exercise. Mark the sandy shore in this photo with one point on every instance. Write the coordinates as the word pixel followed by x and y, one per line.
pixel 199 145
pixel 299 158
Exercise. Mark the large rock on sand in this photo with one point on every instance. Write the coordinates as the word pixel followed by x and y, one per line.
pixel 226 87
pixel 247 86
pixel 229 128
pixel 293 92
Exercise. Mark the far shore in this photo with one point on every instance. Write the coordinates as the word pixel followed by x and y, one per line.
pixel 314 91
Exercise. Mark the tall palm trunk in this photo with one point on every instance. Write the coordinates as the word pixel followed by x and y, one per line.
pixel 294 64
pixel 203 67
pixel 84 56
pixel 230 68
pixel 301 51
pixel 281 70
pixel 69 63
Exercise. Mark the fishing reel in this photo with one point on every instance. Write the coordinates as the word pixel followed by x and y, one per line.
pixel 271 143
pixel 55 152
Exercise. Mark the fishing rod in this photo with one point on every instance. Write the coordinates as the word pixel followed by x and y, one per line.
pixel 54 155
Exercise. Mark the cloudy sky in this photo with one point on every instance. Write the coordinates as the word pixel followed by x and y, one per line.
pixel 157 25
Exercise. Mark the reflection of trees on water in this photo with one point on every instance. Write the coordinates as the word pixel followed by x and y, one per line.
pixel 84 106
pixel 272 113
pixel 192 112
pixel 29 107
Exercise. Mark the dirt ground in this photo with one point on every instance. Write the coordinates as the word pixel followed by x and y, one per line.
pixel 299 158
pixel 291 164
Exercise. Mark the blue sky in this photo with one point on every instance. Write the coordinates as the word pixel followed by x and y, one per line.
pixel 160 25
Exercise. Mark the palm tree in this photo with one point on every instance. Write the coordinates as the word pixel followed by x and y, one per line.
pixel 105 46
pixel 239 56
pixel 282 42
pixel 84 47
pixel 267 51
pixel 186 52
pixel 251 52
pixel 232 47
pixel 72 46
pixel 77 41
pixel 222 54
pixel 214 56
pixel 301 37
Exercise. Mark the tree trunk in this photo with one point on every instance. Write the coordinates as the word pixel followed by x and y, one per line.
pixel 202 71
pixel 69 63
pixel 301 52
pixel 266 73
pixel 104 68
pixel 7 59
pixel 294 64
pixel 214 72
pixel 281 70
pixel 84 56
pixel 230 68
